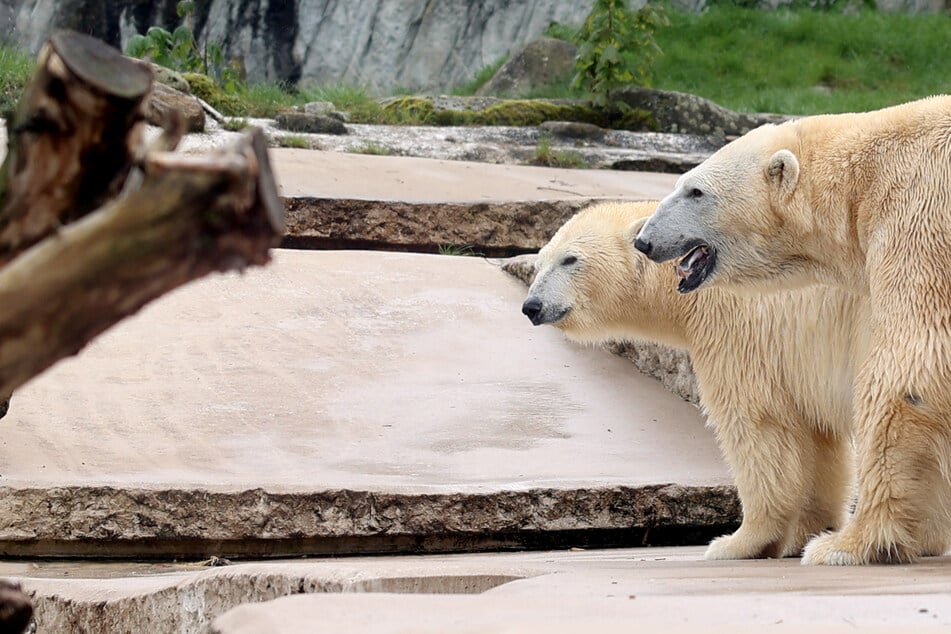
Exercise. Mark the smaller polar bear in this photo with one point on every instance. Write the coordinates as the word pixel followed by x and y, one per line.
pixel 775 371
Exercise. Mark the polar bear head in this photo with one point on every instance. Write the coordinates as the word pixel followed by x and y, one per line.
pixel 737 218
pixel 589 282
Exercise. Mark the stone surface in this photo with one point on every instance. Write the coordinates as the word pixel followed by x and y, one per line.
pixel 349 402
pixel 656 589
pixel 319 107
pixel 689 114
pixel 573 130
pixel 541 63
pixel 617 149
pixel 492 229
pixel 165 99
pixel 170 78
pixel 310 123
pixel 306 173
pixel 415 44
pixel 670 366
pixel 428 205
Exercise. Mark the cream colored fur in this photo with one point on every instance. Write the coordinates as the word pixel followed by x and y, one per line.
pixel 861 201
pixel 775 371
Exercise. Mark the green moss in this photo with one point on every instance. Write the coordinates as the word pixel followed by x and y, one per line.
pixel 636 120
pixel 204 87
pixel 294 141
pixel 525 112
pixel 410 110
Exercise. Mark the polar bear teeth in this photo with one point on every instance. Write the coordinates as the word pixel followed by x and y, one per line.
pixel 695 258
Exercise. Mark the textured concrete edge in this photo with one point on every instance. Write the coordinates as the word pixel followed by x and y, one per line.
pixel 670 366
pixel 492 229
pixel 189 602
pixel 109 522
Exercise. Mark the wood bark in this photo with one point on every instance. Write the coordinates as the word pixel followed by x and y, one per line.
pixel 94 224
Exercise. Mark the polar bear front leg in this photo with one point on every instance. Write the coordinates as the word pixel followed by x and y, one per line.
pixel 771 461
pixel 831 490
pixel 899 482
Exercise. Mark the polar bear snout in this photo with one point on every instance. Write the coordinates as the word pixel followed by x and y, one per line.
pixel 643 246
pixel 532 308
pixel 541 313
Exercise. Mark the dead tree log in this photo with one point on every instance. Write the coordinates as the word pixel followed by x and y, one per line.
pixel 93 225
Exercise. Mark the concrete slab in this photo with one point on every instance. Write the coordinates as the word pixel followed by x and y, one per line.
pixel 420 180
pixel 354 201
pixel 555 591
pixel 341 401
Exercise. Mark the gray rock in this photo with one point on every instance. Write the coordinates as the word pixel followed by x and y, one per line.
pixel 415 44
pixel 170 78
pixel 310 123
pixel 573 130
pixel 319 107
pixel 165 99
pixel 543 62
pixel 684 113
pixel 494 229
pixel 198 523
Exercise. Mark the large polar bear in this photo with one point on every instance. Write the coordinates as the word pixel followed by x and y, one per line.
pixel 863 202
pixel 775 371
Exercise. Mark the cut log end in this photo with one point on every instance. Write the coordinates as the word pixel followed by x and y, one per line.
pixel 101 66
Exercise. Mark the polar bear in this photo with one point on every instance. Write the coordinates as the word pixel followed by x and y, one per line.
pixel 775 371
pixel 861 201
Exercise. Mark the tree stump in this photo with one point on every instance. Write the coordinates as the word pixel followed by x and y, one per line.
pixel 94 224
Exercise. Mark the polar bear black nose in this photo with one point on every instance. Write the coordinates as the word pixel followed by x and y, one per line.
pixel 532 308
pixel 643 247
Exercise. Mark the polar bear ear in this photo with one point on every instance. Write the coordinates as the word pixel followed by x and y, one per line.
pixel 635 228
pixel 783 171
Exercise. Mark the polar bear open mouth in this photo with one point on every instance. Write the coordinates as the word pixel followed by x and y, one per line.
pixel 695 267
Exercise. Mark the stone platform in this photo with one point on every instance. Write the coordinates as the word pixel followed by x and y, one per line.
pixel 613 591
pixel 353 402
pixel 339 402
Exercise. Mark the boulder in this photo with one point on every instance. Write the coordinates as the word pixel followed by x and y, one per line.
pixel 543 62
pixel 170 78
pixel 573 130
pixel 310 123
pixel 684 113
pixel 165 99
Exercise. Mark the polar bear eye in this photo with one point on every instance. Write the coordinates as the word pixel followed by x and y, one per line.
pixel 568 260
pixel 696 193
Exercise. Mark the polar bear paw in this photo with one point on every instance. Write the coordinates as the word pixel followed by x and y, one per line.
pixel 739 546
pixel 830 549
pixel 847 548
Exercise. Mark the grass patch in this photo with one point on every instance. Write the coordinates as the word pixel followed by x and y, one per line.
pixel 294 141
pixel 235 125
pixel 484 75
pixel 373 149
pixel 459 249
pixel 546 157
pixel 15 70
pixel 803 61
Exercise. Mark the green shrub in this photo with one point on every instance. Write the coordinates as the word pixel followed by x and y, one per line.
pixel 180 51
pixel 616 47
